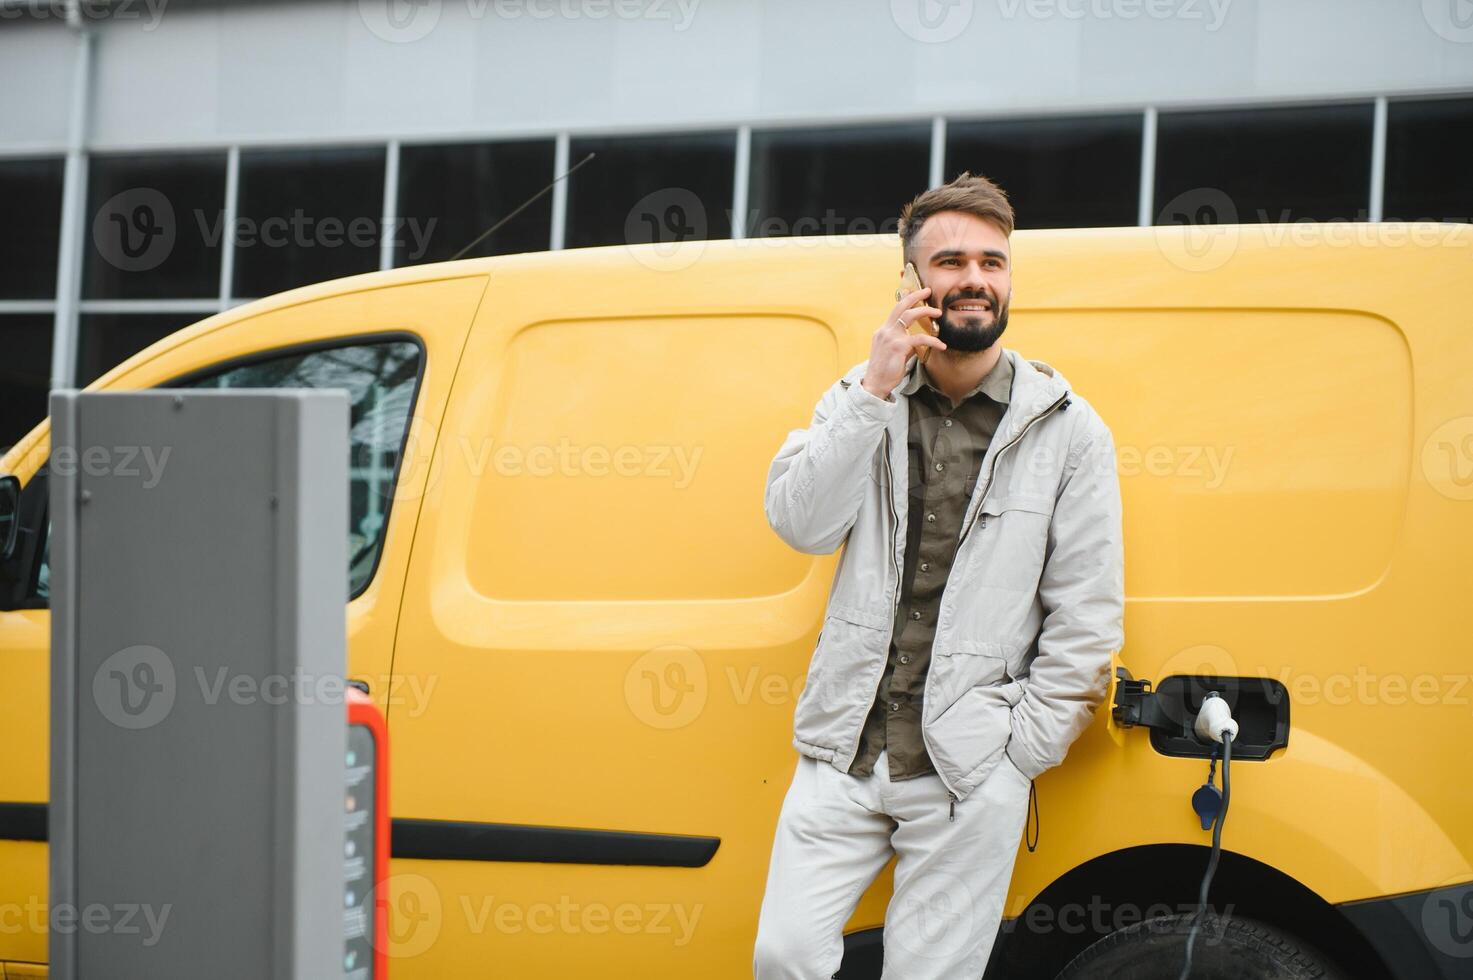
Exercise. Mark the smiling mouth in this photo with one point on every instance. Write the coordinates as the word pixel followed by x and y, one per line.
pixel 972 306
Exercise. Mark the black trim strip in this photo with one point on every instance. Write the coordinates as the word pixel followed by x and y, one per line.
pixel 23 821
pixel 447 840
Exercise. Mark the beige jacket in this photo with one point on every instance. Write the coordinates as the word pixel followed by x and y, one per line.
pixel 1034 606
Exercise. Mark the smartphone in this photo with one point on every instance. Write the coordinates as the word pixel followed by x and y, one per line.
pixel 910 281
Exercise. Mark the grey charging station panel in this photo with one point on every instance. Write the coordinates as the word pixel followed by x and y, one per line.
pixel 198 724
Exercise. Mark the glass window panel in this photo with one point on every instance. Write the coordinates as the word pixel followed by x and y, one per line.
pixel 835 181
pixel 668 188
pixel 450 195
pixel 25 373
pixel 154 226
pixel 107 339
pixel 1065 172
pixel 31 194
pixel 381 380
pixel 1280 164
pixel 306 216
pixel 1429 147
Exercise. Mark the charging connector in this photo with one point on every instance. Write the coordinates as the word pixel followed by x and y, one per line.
pixel 1215 719
pixel 1214 724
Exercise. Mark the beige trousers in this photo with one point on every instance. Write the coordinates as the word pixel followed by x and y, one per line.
pixel 834 835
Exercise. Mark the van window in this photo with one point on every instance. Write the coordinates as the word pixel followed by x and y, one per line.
pixel 381 379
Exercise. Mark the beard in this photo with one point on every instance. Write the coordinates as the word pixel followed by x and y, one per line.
pixel 966 332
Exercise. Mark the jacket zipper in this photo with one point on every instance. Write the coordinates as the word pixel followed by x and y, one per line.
pixel 1016 439
pixel 1064 400
pixel 895 514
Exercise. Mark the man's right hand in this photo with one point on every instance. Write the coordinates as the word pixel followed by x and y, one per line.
pixel 893 346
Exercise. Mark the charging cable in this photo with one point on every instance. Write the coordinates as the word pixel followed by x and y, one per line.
pixel 1214 724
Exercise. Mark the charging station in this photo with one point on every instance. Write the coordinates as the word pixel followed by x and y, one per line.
pixel 200 717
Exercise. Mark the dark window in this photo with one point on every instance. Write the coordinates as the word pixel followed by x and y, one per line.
pixel 31 192
pixel 154 226
pixel 1258 165
pixel 306 216
pixel 835 181
pixel 1074 172
pixel 669 188
pixel 107 339
pixel 450 195
pixel 25 373
pixel 381 380
pixel 1429 161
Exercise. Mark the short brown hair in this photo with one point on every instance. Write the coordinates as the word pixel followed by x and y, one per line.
pixel 967 194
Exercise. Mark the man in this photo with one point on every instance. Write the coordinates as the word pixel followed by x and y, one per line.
pixel 972 618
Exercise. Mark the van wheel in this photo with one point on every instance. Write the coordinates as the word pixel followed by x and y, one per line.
pixel 1226 949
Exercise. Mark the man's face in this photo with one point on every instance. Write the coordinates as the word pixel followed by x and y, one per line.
pixel 968 265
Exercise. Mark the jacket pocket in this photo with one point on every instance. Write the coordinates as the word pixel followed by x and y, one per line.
pixel 842 678
pixel 1011 542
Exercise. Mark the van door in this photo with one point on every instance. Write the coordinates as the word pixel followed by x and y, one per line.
pixel 603 640
pixel 394 351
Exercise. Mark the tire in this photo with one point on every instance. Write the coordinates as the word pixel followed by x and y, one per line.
pixel 1156 950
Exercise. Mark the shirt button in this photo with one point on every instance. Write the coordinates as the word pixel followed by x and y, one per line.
pixel 916 614
pixel 940 467
pixel 930 518
pixel 905 658
pixel 925 566
pixel 894 705
pixel 946 422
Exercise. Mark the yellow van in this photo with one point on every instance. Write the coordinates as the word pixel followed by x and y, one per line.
pixel 589 643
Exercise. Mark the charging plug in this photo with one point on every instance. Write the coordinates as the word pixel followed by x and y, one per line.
pixel 1214 718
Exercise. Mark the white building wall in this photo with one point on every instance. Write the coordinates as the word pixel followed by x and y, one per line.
pixel 321 71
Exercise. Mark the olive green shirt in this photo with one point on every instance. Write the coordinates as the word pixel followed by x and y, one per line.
pixel 946 446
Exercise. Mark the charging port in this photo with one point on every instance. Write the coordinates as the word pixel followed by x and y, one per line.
pixel 1259 704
